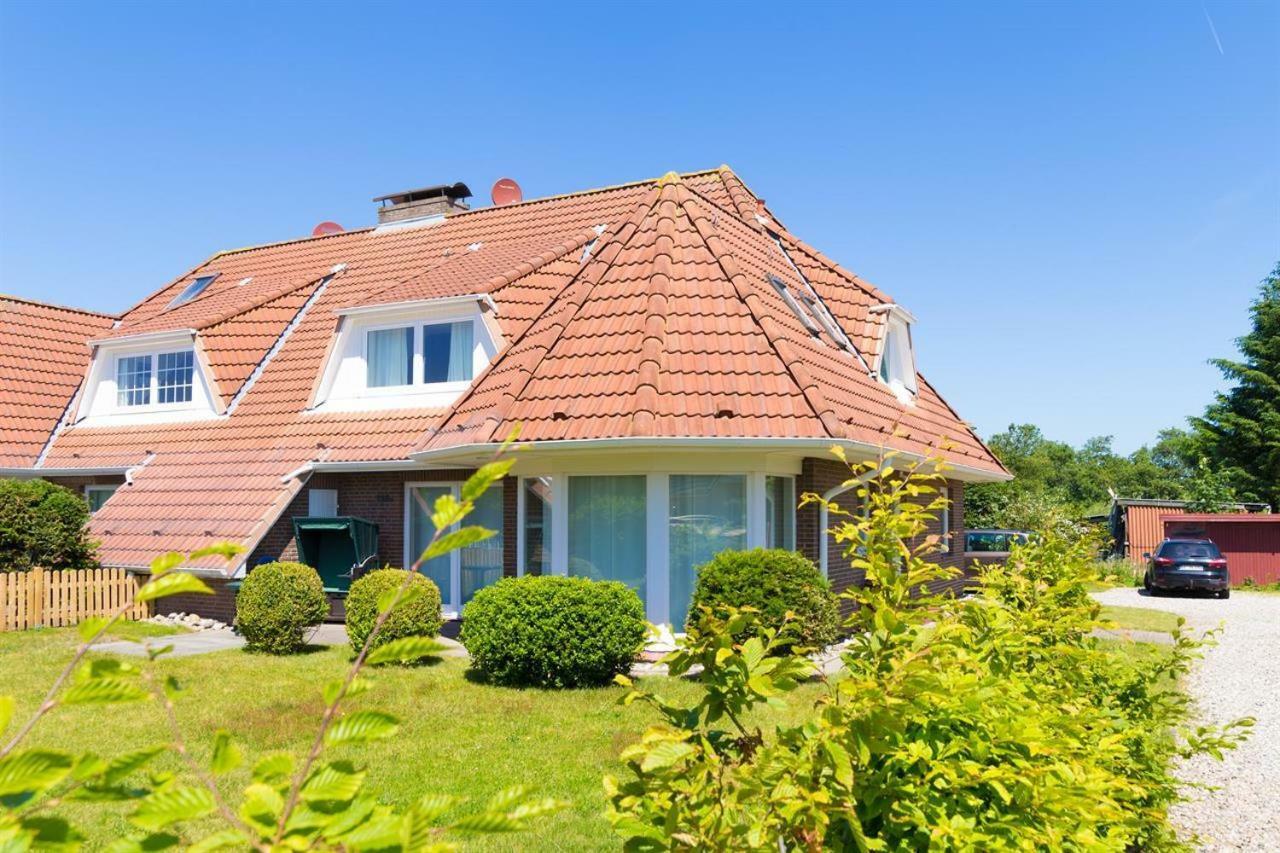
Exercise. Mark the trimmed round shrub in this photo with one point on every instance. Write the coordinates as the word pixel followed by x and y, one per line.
pixel 553 631
pixel 276 603
pixel 773 581
pixel 419 617
pixel 43 524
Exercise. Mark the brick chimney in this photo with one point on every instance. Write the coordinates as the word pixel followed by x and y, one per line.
pixel 423 203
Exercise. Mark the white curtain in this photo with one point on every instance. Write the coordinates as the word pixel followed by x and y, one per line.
pixel 482 562
pixel 708 513
pixel 607 529
pixel 460 348
pixel 390 357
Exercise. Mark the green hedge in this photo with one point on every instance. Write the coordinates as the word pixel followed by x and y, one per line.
pixel 553 631
pixel 772 581
pixel 276 603
pixel 420 617
pixel 42 524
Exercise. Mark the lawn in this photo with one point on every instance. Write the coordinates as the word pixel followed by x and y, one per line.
pixel 1140 618
pixel 458 736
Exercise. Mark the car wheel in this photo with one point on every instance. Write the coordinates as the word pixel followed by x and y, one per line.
pixel 1146 584
pixel 1226 593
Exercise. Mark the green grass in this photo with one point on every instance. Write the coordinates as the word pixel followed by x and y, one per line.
pixel 139 631
pixel 1140 618
pixel 458 736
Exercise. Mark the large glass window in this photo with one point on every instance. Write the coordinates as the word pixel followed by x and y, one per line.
pixel 537 526
pixel 708 513
pixel 446 352
pixel 133 380
pixel 780 512
pixel 97 496
pixel 389 357
pixel 173 376
pixel 607 529
pixel 481 563
pixel 439 569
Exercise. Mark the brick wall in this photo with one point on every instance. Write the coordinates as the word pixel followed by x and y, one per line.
pixel 821 475
pixel 221 605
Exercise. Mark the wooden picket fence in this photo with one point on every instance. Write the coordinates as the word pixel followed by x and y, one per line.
pixel 52 599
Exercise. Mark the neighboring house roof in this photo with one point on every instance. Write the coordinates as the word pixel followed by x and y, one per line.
pixel 642 310
pixel 42 361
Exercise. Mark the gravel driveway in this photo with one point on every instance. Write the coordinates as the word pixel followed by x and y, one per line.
pixel 1240 677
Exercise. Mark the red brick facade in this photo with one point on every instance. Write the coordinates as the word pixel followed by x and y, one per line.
pixel 379 497
pixel 818 476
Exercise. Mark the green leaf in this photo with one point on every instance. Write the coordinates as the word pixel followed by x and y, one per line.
pixel 276 767
pixel 226 755
pixel 418 832
pixel 337 781
pixel 400 596
pixel 362 726
pixel 262 805
pixel 166 563
pixel 166 585
pixel 87 766
pixel 33 771
pixel 665 754
pixel 171 805
pixel 103 691
pixel 446 512
pixel 486 822
pixel 91 627
pixel 456 540
pixel 484 477
pixel 404 650
pixel 355 688
pixel 123 765
pixel 227 550
pixel 52 833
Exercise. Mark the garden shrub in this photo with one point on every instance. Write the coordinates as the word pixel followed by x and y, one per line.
pixel 989 723
pixel 553 631
pixel 43 524
pixel 277 601
pixel 773 582
pixel 418 616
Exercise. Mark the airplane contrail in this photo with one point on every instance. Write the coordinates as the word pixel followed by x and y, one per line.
pixel 1213 30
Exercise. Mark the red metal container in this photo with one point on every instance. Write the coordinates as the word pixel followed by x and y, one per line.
pixel 1251 543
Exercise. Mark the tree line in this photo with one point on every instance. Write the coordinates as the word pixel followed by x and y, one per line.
pixel 1228 454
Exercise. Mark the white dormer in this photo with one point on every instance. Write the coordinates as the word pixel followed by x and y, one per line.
pixel 420 354
pixel 147 378
pixel 896 363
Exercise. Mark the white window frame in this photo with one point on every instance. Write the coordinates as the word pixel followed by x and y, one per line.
pixel 100 487
pixel 902 362
pixel 153 389
pixel 451 599
pixel 343 384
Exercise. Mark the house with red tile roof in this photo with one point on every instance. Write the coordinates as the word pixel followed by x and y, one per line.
pixel 678 362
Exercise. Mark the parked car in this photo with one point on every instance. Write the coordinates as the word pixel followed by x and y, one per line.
pixel 1187 564
pixel 992 541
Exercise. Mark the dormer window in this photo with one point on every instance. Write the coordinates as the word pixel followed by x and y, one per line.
pixel 419 355
pixel 897 366
pixel 191 291
pixel 415 354
pixel 137 384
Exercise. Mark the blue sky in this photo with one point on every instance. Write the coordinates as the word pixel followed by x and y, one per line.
pixel 1076 200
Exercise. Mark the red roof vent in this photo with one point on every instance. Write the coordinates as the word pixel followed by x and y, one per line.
pixel 326 228
pixel 506 191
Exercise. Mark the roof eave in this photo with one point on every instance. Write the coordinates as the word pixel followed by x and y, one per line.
pixel 967 473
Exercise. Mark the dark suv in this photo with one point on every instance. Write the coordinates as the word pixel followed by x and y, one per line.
pixel 1188 564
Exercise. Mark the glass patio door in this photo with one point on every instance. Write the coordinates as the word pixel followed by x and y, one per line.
pixel 459 574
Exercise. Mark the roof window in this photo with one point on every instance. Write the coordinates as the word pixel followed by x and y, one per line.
pixel 785 292
pixel 897 366
pixel 192 290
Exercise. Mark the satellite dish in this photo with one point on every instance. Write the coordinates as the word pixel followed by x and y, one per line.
pixel 506 191
pixel 326 228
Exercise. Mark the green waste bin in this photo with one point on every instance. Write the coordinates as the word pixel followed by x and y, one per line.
pixel 339 548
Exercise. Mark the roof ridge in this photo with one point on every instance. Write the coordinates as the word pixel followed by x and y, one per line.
pixel 599 263
pixel 736 187
pixel 796 369
pixel 10 297
pixel 653 346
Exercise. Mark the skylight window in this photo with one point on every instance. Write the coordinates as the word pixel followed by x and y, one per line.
pixel 785 292
pixel 823 316
pixel 192 290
